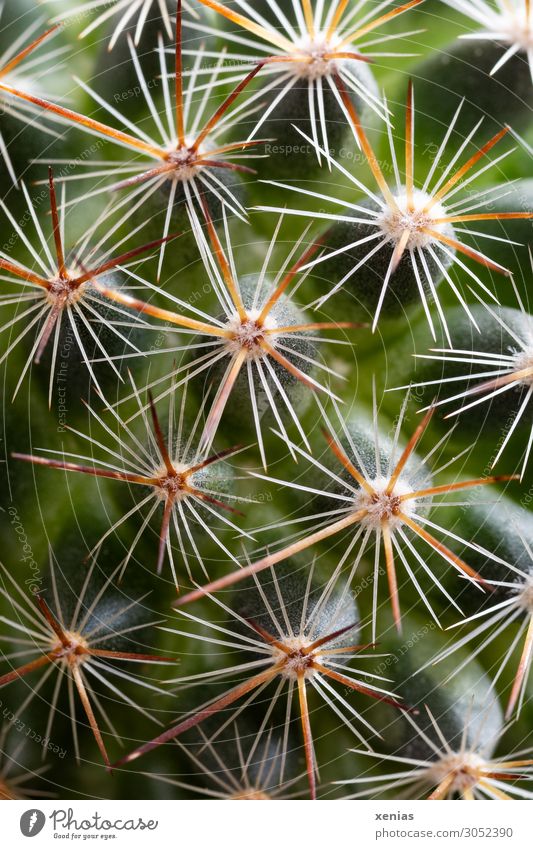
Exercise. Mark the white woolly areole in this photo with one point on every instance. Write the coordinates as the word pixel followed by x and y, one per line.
pixel 525 596
pixel 61 290
pixel 383 507
pixel 316 49
pixel 464 766
pixel 524 360
pixel 248 334
pixel 76 648
pixel 252 795
pixel 394 222
pixel 172 484
pixel 185 161
pixel 296 663
pixel 517 30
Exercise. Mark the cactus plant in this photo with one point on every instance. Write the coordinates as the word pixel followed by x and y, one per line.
pixel 230 551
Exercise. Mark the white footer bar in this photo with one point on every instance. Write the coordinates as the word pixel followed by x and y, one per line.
pixel 276 825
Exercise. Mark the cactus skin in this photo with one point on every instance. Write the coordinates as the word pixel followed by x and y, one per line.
pixel 362 436
pixel 292 581
pixel 466 695
pixel 71 369
pixel 290 154
pixel 72 514
pixel 359 295
pixel 284 313
pixel 497 528
pixel 153 212
pixel 489 416
pixel 463 70
pixel 514 257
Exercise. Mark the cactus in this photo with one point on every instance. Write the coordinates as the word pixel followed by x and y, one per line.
pixel 236 563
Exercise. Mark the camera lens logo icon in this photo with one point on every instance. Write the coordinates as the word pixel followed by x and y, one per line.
pixel 32 822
